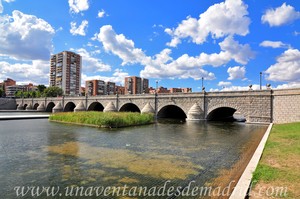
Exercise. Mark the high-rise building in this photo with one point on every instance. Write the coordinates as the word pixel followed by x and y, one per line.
pixel 65 72
pixel 136 85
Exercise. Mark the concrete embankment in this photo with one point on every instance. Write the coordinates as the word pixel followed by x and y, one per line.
pixel 7 104
pixel 23 117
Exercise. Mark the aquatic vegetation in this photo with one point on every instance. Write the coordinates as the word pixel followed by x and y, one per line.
pixel 149 164
pixel 101 119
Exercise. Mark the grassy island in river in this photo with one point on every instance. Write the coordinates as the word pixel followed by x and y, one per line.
pixel 101 119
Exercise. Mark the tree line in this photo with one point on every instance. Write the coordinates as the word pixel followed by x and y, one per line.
pixel 42 91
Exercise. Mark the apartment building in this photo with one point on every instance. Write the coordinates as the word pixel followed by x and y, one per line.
pixel 99 87
pixel 136 85
pixel 65 72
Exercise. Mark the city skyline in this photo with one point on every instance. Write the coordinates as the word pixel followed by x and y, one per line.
pixel 176 43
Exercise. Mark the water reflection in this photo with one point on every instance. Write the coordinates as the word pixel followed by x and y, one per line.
pixel 38 152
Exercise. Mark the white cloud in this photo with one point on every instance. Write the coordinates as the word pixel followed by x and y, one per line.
pixel 37 72
pixel 287 68
pixel 117 77
pixel 236 72
pixel 80 30
pixel 224 84
pixel 219 20
pixel 25 37
pixel 1 7
pixel 90 63
pixel 77 6
pixel 240 53
pixel 274 44
pixel 162 65
pixel 238 88
pixel 101 14
pixel 289 85
pixel 120 46
pixel 280 16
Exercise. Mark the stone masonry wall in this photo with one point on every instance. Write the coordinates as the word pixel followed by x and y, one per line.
pixel 286 106
pixel 7 104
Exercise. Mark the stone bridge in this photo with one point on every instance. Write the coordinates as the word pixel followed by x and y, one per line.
pixel 255 106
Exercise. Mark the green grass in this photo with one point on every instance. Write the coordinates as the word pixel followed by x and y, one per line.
pixel 279 164
pixel 101 119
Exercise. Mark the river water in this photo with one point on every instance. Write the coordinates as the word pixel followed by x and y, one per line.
pixel 36 153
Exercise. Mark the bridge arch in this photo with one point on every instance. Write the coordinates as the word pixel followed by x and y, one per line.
pixel 130 107
pixel 69 107
pixel 35 106
pixel 25 105
pixel 50 106
pixel 171 111
pixel 95 106
pixel 225 113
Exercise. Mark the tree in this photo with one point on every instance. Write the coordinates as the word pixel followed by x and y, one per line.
pixel 1 92
pixel 41 88
pixel 53 91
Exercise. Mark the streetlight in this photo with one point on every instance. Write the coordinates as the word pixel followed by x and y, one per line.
pixel 156 85
pixel 260 74
pixel 202 82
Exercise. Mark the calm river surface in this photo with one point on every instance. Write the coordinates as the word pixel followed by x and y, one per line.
pixel 40 153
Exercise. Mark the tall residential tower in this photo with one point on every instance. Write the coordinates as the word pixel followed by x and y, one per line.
pixel 65 72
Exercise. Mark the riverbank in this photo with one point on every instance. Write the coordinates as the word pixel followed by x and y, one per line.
pixel 101 119
pixel 277 174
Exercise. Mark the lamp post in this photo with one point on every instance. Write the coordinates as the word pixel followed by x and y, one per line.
pixel 202 82
pixel 260 80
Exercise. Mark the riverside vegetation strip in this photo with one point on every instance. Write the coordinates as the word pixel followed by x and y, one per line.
pixel 101 119
pixel 280 162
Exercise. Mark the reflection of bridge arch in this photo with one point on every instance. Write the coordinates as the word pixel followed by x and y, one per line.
pixel 130 107
pixel 35 106
pixel 95 106
pixel 70 106
pixel 50 106
pixel 171 111
pixel 224 112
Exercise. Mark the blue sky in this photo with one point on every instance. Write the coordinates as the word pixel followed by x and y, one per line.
pixel 176 42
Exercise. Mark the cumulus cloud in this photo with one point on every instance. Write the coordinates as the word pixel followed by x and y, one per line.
pixel 287 68
pixel 77 6
pixel 224 84
pixel 280 16
pixel 120 46
pixel 289 85
pixel 219 20
pixel 237 72
pixel 36 72
pixel 80 30
pixel 101 13
pixel 1 7
pixel 90 63
pixel 238 88
pixel 117 77
pixel 239 52
pixel 274 44
pixel 25 37
pixel 162 65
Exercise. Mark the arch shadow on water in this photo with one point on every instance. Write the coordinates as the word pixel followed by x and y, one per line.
pixel 49 107
pixel 96 106
pixel 130 107
pixel 171 114
pixel 70 106
pixel 226 114
pixel 35 106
